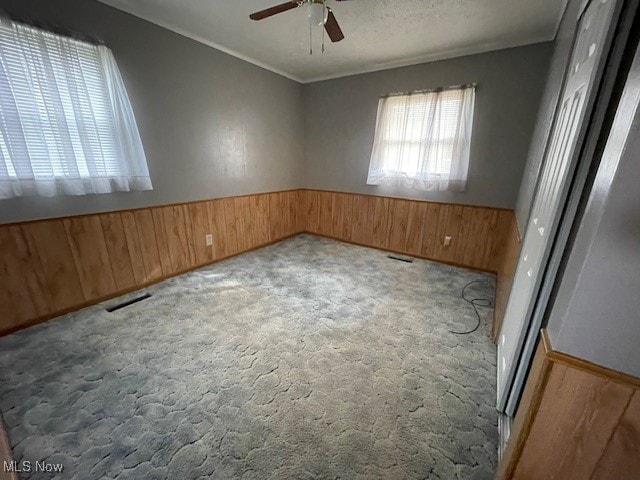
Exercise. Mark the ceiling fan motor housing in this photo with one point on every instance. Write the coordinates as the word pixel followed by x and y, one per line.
pixel 316 12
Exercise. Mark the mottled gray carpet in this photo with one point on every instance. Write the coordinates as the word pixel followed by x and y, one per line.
pixel 307 359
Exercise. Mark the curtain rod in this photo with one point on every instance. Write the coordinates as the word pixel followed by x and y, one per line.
pixel 431 90
pixel 56 29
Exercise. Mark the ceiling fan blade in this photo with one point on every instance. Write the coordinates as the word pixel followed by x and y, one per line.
pixel 333 29
pixel 268 12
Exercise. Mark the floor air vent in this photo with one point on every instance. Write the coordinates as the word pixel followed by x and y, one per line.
pixel 128 302
pixel 400 259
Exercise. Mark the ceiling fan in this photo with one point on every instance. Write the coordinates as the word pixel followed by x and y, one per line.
pixel 318 14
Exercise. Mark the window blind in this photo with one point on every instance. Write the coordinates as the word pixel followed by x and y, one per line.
pixel 66 123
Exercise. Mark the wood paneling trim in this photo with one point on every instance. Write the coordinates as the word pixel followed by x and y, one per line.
pixel 576 420
pixel 587 366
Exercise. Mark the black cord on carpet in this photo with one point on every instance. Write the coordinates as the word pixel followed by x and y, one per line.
pixel 475 303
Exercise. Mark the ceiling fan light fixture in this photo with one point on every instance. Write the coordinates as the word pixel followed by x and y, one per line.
pixel 316 13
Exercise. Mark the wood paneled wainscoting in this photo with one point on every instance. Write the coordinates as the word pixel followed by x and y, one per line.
pixel 479 235
pixel 576 420
pixel 505 270
pixel 49 267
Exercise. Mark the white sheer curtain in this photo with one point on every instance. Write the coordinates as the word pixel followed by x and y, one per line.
pixel 66 123
pixel 422 140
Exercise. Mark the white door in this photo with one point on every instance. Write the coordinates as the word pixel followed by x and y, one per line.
pixel 576 101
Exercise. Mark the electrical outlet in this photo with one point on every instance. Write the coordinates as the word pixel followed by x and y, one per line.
pixel 208 239
pixel 447 240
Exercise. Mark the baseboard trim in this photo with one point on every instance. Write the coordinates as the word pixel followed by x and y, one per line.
pixel 586 365
pixel 400 252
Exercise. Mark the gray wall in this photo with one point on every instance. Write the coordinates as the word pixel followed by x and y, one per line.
pixel 562 49
pixel 212 125
pixel 596 313
pixel 340 117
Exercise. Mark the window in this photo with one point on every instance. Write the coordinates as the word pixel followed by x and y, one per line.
pixel 66 123
pixel 422 140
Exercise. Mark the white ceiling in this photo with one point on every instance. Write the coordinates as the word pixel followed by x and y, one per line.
pixel 379 33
